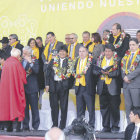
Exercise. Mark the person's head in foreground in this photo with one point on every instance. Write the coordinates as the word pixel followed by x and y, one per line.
pixel 55 134
pixel 135 115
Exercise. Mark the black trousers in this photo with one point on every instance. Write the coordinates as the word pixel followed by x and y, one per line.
pixel 32 100
pixel 83 99
pixel 110 108
pixel 62 96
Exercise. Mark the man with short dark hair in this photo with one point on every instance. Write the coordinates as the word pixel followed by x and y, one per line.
pixel 119 39
pixel 109 89
pixel 132 132
pixel 58 83
pixel 86 39
pixel 52 45
pixel 14 42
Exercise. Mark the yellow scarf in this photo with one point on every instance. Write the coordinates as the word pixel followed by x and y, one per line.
pixel 86 43
pixel 91 47
pixel 47 49
pixel 73 51
pixel 79 70
pixel 103 42
pixel 14 44
pixel 107 80
pixel 133 59
pixel 36 52
pixel 115 38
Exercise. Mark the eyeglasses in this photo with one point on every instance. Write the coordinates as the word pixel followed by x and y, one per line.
pixel 67 38
pixel 71 38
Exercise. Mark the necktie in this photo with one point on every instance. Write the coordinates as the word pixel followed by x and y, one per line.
pixel 134 134
pixel 131 57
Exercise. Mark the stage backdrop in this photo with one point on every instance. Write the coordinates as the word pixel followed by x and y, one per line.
pixel 31 18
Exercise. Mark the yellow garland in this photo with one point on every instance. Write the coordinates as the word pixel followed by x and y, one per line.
pixel 115 38
pixel 86 43
pixel 91 47
pixel 107 80
pixel 73 51
pixel 36 52
pixel 134 57
pixel 14 44
pixel 79 70
pixel 47 49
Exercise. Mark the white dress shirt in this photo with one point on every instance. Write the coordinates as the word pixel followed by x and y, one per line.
pixel 107 62
pixel 56 78
pixel 138 128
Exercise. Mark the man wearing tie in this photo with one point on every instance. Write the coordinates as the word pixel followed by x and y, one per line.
pixel 132 131
pixel 58 83
pixel 109 89
pixel 73 48
pixel 85 87
pixel 130 67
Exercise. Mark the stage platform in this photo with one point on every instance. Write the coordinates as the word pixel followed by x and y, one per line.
pixel 39 135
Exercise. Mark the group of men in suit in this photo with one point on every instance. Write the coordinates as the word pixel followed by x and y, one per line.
pixel 103 73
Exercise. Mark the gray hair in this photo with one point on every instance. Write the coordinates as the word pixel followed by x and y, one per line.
pixel 15 52
pixel 81 46
pixel 14 36
pixel 28 48
pixel 75 35
pixel 55 134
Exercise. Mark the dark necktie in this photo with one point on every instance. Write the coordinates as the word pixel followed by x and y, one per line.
pixel 134 134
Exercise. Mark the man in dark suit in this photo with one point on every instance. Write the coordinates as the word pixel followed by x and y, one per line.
pixel 86 39
pixel 119 39
pixel 47 53
pixel 108 88
pixel 58 84
pixel 5 47
pixel 132 132
pixel 52 45
pixel 14 42
pixel 31 66
pixel 85 87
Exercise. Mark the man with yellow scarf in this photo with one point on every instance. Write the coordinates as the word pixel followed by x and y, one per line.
pixel 86 39
pixel 73 48
pixel 119 39
pixel 52 45
pixel 14 42
pixel 130 67
pixel 109 89
pixel 85 87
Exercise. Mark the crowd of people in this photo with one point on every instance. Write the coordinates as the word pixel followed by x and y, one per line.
pixel 101 65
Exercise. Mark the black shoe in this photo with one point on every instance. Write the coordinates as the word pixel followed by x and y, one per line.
pixel 105 129
pixel 25 129
pixel 9 129
pixel 62 128
pixel 115 129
